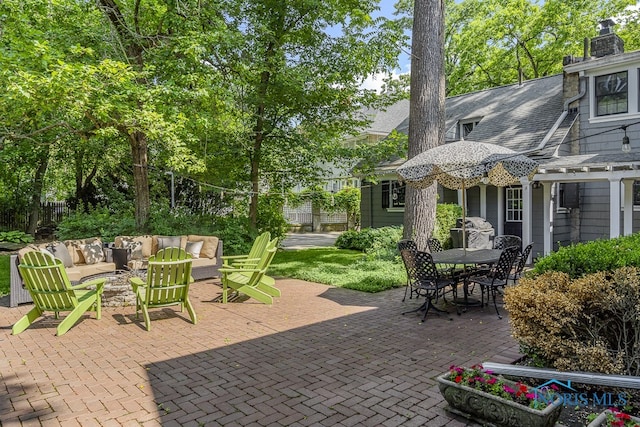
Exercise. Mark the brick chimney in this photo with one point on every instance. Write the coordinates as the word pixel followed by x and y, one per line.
pixel 607 43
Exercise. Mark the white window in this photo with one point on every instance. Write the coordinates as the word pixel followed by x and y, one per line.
pixel 612 94
pixel 514 204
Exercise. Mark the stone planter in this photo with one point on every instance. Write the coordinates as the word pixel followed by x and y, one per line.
pixel 480 406
pixel 600 420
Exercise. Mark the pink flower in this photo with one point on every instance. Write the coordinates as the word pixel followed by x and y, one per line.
pixel 491 381
pixel 508 389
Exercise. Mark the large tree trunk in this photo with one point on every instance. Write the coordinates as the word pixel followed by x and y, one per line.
pixel 141 179
pixel 258 132
pixel 134 47
pixel 426 111
pixel 36 194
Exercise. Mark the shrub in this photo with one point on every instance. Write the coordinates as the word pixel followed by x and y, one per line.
pixel 580 259
pixel 235 234
pixel 271 215
pixel 377 242
pixel 446 216
pixel 590 323
pixel 96 222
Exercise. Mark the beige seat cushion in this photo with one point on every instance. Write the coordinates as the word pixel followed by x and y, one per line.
pixel 209 246
pixel 79 272
pixel 202 262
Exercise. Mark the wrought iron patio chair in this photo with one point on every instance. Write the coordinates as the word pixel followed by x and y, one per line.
pixel 452 270
pixel 507 240
pixel 407 244
pixel 497 277
pixel 520 263
pixel 425 278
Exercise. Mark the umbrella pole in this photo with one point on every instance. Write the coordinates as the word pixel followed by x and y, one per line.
pixel 464 219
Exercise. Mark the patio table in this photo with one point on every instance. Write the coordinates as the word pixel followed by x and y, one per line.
pixel 469 257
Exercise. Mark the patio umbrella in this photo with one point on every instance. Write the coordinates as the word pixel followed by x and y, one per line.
pixel 463 164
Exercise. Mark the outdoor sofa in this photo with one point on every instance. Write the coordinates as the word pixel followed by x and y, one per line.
pixel 83 258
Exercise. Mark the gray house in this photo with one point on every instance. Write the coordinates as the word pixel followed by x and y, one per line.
pixel 583 127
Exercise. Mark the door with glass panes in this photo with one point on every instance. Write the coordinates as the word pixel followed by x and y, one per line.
pixel 513 211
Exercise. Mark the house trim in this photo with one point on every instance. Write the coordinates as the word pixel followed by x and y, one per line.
pixel 614 168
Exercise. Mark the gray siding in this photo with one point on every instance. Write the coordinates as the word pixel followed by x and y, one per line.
pixel 372 213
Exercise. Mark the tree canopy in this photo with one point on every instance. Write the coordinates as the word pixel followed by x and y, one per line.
pixel 244 95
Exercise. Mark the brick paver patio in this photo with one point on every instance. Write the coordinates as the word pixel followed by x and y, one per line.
pixel 319 356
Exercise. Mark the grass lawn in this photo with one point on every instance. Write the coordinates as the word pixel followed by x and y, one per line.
pixel 4 275
pixel 339 267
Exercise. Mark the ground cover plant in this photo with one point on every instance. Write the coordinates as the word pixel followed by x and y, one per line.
pixel 4 275
pixel 339 267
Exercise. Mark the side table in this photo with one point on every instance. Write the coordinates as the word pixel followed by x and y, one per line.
pixel 120 258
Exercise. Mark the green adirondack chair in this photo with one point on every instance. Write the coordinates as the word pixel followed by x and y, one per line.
pixel 252 258
pixel 168 280
pixel 46 280
pixel 251 280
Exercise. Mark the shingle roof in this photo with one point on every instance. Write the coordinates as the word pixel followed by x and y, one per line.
pixel 386 120
pixel 515 116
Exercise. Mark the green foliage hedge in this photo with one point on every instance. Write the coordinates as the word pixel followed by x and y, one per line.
pixel 581 259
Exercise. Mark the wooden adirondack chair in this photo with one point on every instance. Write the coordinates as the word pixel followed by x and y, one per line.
pixel 46 280
pixel 168 280
pixel 252 258
pixel 252 281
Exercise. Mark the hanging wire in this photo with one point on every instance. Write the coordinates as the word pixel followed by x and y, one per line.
pixel 250 192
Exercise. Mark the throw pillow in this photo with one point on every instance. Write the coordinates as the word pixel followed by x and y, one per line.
pixel 60 251
pixel 147 245
pixel 168 242
pixel 135 247
pixel 92 253
pixel 73 246
pixel 194 249
pixel 209 245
